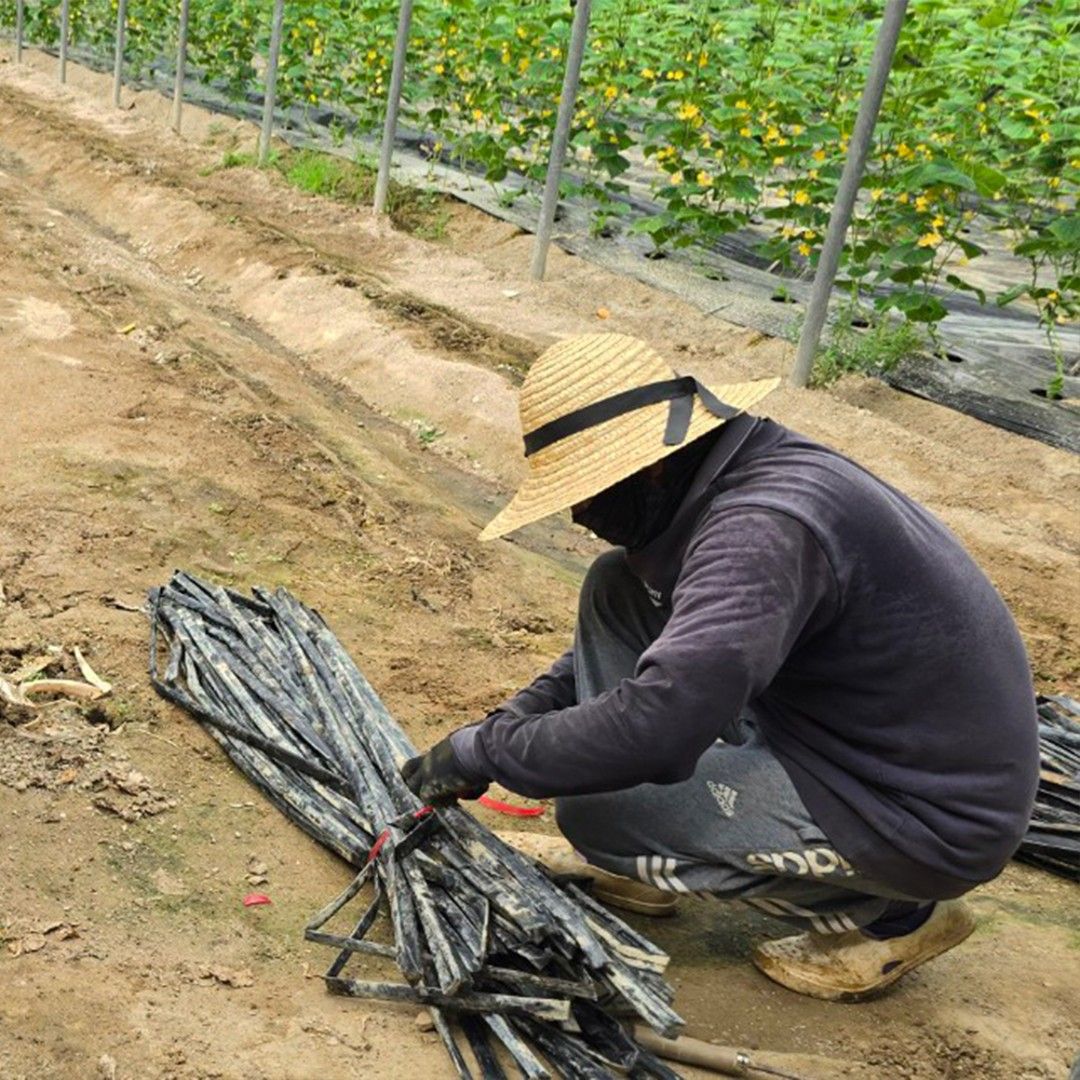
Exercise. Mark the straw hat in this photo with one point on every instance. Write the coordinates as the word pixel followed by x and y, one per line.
pixel 597 408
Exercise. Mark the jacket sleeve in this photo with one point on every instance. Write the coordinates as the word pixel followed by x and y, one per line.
pixel 553 690
pixel 751 581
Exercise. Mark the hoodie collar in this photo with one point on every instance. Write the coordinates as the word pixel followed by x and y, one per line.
pixel 659 562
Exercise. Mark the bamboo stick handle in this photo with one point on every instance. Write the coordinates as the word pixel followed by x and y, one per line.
pixel 726 1060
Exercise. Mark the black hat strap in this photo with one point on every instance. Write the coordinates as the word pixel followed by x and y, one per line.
pixel 679 391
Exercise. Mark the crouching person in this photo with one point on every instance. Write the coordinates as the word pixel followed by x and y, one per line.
pixel 789 684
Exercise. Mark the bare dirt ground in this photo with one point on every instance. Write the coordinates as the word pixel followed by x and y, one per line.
pixel 208 370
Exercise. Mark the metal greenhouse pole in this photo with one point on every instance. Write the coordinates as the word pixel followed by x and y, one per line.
pixel 393 103
pixel 270 94
pixel 181 64
pixel 20 12
pixel 65 23
pixel 843 207
pixel 567 101
pixel 118 66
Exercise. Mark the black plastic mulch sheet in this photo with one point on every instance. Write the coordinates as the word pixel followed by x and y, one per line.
pixel 1053 837
pixel 505 957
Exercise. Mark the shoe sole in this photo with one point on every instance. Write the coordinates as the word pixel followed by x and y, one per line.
pixel 823 993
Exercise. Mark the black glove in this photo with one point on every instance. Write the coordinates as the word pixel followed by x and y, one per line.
pixel 437 777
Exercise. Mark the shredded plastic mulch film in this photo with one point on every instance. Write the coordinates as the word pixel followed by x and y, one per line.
pixel 502 954
pixel 1053 837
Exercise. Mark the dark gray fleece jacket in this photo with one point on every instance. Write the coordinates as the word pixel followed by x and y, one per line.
pixel 883 668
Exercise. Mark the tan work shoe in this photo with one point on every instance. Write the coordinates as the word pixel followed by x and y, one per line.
pixel 852 966
pixel 558 855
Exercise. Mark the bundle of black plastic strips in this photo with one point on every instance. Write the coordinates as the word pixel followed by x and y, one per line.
pixel 1053 837
pixel 501 954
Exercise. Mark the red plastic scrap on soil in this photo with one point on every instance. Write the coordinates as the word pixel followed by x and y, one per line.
pixel 254 899
pixel 509 808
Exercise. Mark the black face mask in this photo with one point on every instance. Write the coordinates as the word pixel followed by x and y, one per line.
pixel 636 510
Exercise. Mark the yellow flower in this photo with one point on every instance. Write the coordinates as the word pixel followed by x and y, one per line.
pixel 522 33
pixel 801 198
pixel 937 222
pixel 719 154
pixel 742 104
pixel 797 129
pixel 677 177
pixel 778 160
pixel 781 192
pixel 804 249
pixel 745 132
pixel 478 115
pixel 704 179
pixel 818 155
pixel 706 141
pixel 930 240
pixel 922 203
pixel 313 98
pixel 688 111
pixel 981 107
pixel 676 76
pixel 523 64
pixel 1044 137
pixel 902 197
pixel 611 92
pixel 1033 113
pixel 703 59
pixel 904 151
pixel 648 73
pixel 809 235
pixel 1052 296
pixel 439 69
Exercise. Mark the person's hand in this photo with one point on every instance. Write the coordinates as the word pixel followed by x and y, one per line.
pixel 437 777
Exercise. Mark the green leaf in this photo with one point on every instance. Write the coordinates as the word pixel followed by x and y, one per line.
pixel 968 248
pixel 1016 129
pixel 905 275
pixel 997 16
pixel 931 173
pixel 918 306
pixel 1067 230
pixel 959 283
pixel 1009 295
pixel 987 180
